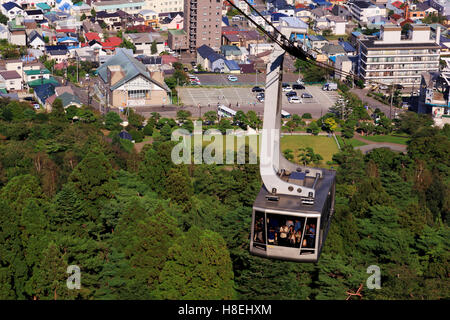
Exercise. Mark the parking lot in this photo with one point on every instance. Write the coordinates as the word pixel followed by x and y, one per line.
pixel 244 99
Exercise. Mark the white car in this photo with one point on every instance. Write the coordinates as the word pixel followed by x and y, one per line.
pixel 383 87
pixel 300 81
pixel 232 78
pixel 287 89
pixel 294 99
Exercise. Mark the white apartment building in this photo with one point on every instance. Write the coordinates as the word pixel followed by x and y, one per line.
pixel 128 6
pixel 398 59
pixel 362 10
pixel 163 6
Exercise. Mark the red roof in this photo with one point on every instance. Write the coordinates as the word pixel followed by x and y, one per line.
pixel 92 36
pixel 405 22
pixel 66 30
pixel 141 28
pixel 168 59
pixel 111 43
pixel 397 4
pixel 300 6
pixel 396 16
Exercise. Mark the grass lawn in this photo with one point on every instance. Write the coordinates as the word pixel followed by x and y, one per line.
pixel 322 145
pixel 392 139
pixel 352 142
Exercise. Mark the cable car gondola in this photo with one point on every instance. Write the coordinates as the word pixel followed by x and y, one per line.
pixel 293 210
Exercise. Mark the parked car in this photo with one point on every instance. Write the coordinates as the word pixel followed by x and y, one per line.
pixel 297 86
pixel 287 89
pixel 306 95
pixel 232 78
pixel 294 99
pixel 36 106
pixel 291 94
pixel 257 89
pixel 383 87
pixel 300 81
pixel 260 98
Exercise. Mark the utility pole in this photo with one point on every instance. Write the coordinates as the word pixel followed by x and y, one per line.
pixel 392 96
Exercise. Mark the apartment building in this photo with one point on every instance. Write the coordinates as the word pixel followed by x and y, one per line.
pixel 362 10
pixel 203 23
pixel 163 6
pixel 397 58
pixel 128 6
pixel 434 97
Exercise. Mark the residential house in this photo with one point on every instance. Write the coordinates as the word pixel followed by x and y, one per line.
pixel 342 65
pixel 31 75
pixel 43 92
pixel 17 34
pixel 348 48
pixel 232 53
pixel 336 24
pixel 177 40
pixel 434 97
pixel 12 65
pixel 294 26
pixel 35 40
pixel 11 80
pixel 257 48
pixel 44 7
pixel 171 20
pixel 316 42
pixel 442 6
pixel 59 53
pixel 128 83
pixel 11 10
pixel 144 41
pixel 35 14
pixel 79 10
pixel 67 97
pixel 210 60
pixel 4 32
pixel 150 18
pixel 332 50
pixel 362 10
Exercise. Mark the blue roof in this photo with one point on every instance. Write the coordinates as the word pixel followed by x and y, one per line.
pixel 276 16
pixel 9 5
pixel 347 46
pixel 206 52
pixel 67 38
pixel 333 58
pixel 295 22
pixel 44 91
pixel 232 65
pixel 64 7
pixel 226 21
pixel 125 135
pixel 314 37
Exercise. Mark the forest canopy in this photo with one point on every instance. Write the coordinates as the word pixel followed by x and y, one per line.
pixel 141 227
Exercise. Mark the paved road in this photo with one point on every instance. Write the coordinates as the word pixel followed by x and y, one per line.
pixel 375 145
pixel 371 102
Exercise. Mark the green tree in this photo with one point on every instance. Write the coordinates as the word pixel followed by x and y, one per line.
pixel 93 177
pixel 112 121
pixel 313 128
pixel 210 116
pixel 154 49
pixel 307 156
pixel 198 267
